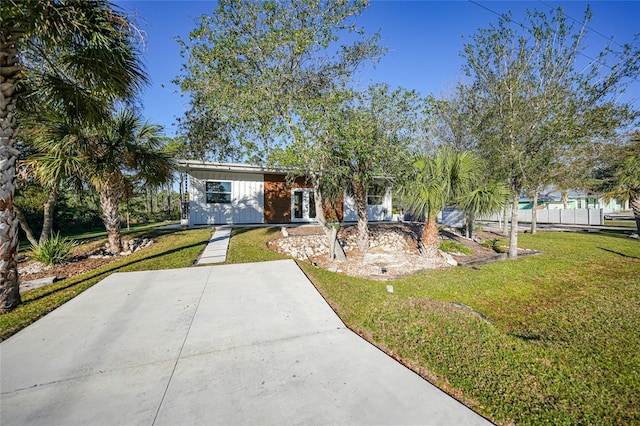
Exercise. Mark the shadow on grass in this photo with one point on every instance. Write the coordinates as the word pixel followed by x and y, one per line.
pixel 269 230
pixel 618 253
pixel 111 269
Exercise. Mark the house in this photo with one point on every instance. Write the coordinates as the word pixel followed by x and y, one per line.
pixel 226 193
pixel 552 199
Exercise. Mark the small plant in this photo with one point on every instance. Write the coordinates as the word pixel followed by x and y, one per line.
pixel 54 251
pixel 450 246
pixel 493 244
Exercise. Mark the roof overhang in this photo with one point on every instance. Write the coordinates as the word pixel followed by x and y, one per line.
pixel 188 165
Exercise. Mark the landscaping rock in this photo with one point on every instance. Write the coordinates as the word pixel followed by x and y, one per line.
pixel 30 285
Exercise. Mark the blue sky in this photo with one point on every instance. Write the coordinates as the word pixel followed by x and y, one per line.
pixel 424 39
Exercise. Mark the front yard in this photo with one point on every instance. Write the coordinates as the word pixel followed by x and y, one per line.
pixel 551 338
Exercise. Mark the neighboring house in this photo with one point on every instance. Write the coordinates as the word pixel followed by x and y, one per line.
pixel 552 199
pixel 224 193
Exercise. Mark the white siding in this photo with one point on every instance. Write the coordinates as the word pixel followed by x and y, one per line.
pixel 377 213
pixel 247 199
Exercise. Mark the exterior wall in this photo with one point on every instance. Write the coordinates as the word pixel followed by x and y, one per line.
pixel 247 199
pixel 376 213
pixel 259 197
pixel 277 200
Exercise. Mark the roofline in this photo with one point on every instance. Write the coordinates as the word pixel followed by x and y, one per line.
pixel 187 165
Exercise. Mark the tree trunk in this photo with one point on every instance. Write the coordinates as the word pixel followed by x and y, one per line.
pixel 565 199
pixel 169 201
pixel 429 240
pixel 49 209
pixel 9 74
pixel 336 252
pixel 25 226
pixel 634 202
pixel 534 214
pixel 360 198
pixel 470 220
pixel 513 237
pixel 92 195
pixel 109 202
pixel 505 218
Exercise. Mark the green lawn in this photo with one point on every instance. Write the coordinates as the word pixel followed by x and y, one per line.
pixel 560 343
pixel 621 223
pixel 172 249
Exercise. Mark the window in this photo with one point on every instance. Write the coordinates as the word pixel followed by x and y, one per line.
pixel 375 195
pixel 218 192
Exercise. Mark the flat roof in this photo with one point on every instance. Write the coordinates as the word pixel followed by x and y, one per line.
pixel 231 167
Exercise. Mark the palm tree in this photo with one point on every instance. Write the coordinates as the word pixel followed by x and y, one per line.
pixel 124 148
pixel 482 198
pixel 78 55
pixel 52 163
pixel 434 182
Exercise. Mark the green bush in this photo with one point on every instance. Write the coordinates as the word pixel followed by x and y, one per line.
pixel 450 246
pixel 54 251
pixel 493 244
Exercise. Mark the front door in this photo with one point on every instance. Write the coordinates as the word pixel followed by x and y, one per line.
pixel 303 205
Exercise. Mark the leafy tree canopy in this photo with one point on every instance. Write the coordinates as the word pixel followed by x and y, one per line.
pixel 252 68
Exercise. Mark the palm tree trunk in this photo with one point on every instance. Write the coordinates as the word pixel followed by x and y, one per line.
pixel 470 226
pixel 429 240
pixel 513 237
pixel 360 198
pixel 111 218
pixel 169 200
pixel 634 202
pixel 505 218
pixel 534 214
pixel 49 209
pixel 9 75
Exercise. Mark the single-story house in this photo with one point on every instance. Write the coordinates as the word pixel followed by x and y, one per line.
pixel 226 193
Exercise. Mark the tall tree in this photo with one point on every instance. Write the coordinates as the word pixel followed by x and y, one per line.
pixel 373 135
pixel 255 68
pixel 47 47
pixel 252 65
pixel 123 148
pixel 529 97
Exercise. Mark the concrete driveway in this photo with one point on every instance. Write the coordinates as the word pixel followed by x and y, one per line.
pixel 228 344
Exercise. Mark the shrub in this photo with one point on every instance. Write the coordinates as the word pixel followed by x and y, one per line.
pixel 55 250
pixel 451 246
pixel 493 244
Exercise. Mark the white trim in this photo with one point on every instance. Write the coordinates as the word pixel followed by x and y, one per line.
pixel 306 205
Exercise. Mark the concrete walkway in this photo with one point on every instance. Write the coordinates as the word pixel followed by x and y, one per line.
pixel 227 344
pixel 216 250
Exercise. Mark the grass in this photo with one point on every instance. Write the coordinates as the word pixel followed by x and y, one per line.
pixel 620 223
pixel 451 246
pixel 250 245
pixel 172 249
pixel 559 344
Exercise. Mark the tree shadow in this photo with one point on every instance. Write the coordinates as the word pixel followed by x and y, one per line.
pixel 112 269
pixel 268 229
pixel 618 253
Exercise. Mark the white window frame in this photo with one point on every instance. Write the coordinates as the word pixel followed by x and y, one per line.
pixel 220 184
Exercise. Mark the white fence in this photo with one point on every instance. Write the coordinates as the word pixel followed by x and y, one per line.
pixel 563 216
